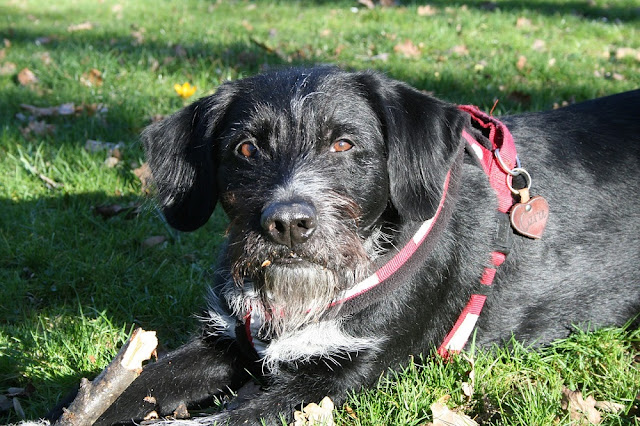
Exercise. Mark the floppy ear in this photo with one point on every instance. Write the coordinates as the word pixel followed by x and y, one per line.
pixel 423 137
pixel 180 154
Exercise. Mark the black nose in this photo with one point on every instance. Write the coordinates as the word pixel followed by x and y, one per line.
pixel 289 223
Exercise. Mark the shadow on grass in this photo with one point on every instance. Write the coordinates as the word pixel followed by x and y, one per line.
pixel 70 278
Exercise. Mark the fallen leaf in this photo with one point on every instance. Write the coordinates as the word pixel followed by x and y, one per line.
pixel 367 3
pixel 350 412
pixel 247 25
pixel 538 45
pixel 443 416
pixel 152 415
pixel 37 128
pixel 92 78
pixel 181 412
pixel 111 162
pixel 460 50
pixel 315 415
pixel 408 49
pixel 18 408
pixel 108 211
pixel 522 62
pixel 94 146
pixel 45 57
pixel 427 10
pixel 150 399
pixel 26 77
pixel 144 175
pixel 624 52
pixel 579 409
pixel 8 68
pixel 84 26
pixel 40 41
pixel 5 403
pixel 154 241
pixel 138 37
pixel 523 22
pixel 610 407
pixel 64 109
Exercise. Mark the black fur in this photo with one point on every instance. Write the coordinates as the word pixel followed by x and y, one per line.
pixel 345 212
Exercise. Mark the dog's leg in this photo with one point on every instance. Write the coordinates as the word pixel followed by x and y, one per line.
pixel 302 384
pixel 189 375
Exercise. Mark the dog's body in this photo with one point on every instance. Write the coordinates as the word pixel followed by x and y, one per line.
pixel 325 175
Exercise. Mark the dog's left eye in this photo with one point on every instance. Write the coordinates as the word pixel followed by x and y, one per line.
pixel 247 149
pixel 341 145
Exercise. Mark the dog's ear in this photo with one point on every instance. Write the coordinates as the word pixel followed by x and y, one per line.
pixel 180 154
pixel 423 136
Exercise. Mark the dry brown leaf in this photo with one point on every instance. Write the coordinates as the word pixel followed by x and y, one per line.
pixel 138 37
pixel 522 62
pixel 150 399
pixel 247 25
pixel 92 78
pixel 443 416
pixel 315 414
pixel 460 50
pixel 624 52
pixel 8 68
pixel 3 54
pixel 37 128
pixel 144 175
pixel 367 3
pixel 111 162
pixel 538 45
pixel 523 22
pixel 26 77
pixel 427 10
pixel 408 49
pixel 609 407
pixel 579 409
pixel 45 57
pixel 64 109
pixel 154 241
pixel 84 26
pixel 350 412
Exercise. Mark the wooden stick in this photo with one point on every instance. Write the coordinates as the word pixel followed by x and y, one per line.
pixel 96 396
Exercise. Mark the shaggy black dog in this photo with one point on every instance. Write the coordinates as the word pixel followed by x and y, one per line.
pixel 369 222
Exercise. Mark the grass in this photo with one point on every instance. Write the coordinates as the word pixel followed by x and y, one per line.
pixel 73 284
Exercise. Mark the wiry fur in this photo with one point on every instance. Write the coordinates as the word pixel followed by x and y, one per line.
pixel 349 212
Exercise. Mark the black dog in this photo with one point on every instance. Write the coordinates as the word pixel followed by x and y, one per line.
pixel 368 222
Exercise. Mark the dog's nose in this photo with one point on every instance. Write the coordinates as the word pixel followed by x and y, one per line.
pixel 289 223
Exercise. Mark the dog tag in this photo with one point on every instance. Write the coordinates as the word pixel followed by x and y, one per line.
pixel 529 216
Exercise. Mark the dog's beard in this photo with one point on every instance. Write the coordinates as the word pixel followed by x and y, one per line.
pixel 289 288
pixel 296 295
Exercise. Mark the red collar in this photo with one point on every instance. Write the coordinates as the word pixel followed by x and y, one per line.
pixel 503 150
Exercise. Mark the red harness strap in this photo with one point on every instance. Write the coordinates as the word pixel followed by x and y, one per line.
pixel 500 139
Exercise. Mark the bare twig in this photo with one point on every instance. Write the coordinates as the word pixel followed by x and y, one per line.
pixel 96 396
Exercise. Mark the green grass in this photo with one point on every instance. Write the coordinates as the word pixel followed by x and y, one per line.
pixel 72 284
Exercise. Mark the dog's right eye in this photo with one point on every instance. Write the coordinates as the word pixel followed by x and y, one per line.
pixel 247 149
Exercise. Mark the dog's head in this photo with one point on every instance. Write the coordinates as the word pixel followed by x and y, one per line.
pixel 308 164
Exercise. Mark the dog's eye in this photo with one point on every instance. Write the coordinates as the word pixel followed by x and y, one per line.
pixel 341 145
pixel 247 149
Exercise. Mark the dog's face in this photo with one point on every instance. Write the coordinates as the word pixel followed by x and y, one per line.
pixel 310 167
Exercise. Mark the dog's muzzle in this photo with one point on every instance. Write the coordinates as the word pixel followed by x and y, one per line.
pixel 289 223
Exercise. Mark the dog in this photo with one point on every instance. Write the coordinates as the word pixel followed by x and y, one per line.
pixel 369 221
